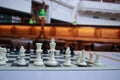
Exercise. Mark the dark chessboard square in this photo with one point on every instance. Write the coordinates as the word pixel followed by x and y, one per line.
pixel 45 59
pixel 27 59
pixel 11 56
pixel 60 62
pixel 52 66
pixel 84 65
pixel 16 65
pixel 31 61
pixel 33 57
pixel 10 61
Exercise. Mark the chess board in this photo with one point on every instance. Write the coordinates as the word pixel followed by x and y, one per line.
pixel 30 57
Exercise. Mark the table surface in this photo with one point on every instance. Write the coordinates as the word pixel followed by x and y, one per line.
pixel 110 71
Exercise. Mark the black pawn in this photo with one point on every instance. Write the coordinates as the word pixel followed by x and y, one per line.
pixel 45 47
pixel 12 48
pixel 72 50
pixel 17 48
pixel 62 49
pixel 34 45
pixel 28 48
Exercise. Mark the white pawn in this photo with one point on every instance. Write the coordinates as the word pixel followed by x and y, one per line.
pixel 90 57
pixel 5 52
pixel 67 58
pixel 82 59
pixel 38 61
pixel 21 60
pixel 97 61
pixel 3 57
pixel 79 57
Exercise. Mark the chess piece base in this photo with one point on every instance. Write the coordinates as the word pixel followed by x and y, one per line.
pixel 52 63
pixel 2 62
pixel 67 64
pixel 98 64
pixel 82 64
pixel 38 63
pixel 21 62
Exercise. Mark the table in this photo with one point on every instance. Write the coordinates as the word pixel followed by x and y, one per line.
pixel 110 58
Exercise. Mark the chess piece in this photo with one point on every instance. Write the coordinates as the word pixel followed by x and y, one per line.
pixel 21 60
pixel 97 60
pixel 12 48
pixel 28 48
pixel 90 58
pixel 52 61
pixel 67 58
pixel 79 57
pixel 45 47
pixel 52 44
pixel 17 48
pixel 38 61
pixel 72 50
pixel 82 59
pixel 5 52
pixel 62 49
pixel 3 57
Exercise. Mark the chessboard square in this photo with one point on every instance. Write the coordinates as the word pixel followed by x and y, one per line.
pixel 10 61
pixel 45 59
pixel 31 61
pixel 11 56
pixel 16 65
pixel 33 57
pixel 27 54
pixel 60 62
pixel 52 66
pixel 27 59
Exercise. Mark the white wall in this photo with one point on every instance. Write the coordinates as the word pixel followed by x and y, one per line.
pixel 19 5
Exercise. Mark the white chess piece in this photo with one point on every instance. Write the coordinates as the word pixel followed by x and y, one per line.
pixel 97 61
pixel 52 44
pixel 90 57
pixel 3 57
pixel 5 52
pixel 21 60
pixel 82 59
pixel 79 57
pixel 52 61
pixel 67 58
pixel 38 61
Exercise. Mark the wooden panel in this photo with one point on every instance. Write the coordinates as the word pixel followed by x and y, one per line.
pixel 48 31
pixel 86 32
pixel 5 29
pixel 37 30
pixel 64 31
pixel 110 33
pixel 22 30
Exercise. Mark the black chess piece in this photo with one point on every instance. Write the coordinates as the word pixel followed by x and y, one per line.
pixel 72 49
pixel 12 48
pixel 62 49
pixel 17 48
pixel 34 45
pixel 28 48
pixel 45 46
